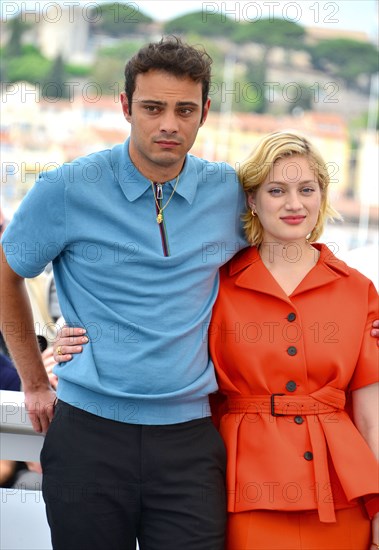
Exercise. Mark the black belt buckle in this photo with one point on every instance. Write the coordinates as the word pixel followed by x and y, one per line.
pixel 272 402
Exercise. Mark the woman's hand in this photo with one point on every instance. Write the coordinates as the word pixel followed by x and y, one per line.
pixel 69 341
pixel 375 333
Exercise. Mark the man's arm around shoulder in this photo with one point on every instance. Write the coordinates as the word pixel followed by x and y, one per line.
pixel 17 326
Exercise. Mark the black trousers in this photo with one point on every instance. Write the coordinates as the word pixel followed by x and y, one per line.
pixel 107 484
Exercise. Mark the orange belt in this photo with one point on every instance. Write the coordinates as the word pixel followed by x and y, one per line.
pixel 321 402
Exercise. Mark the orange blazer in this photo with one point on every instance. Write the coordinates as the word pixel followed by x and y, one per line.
pixel 286 366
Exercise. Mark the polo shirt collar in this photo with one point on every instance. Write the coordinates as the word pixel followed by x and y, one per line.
pixel 134 184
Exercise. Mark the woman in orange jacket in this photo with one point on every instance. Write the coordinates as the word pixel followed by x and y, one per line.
pixel 297 368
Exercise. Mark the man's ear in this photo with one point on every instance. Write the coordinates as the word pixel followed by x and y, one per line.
pixel 205 111
pixel 125 106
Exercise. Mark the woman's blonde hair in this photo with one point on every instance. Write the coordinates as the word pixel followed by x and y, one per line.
pixel 255 169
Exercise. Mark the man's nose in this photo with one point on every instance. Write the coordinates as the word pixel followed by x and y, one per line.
pixel 168 123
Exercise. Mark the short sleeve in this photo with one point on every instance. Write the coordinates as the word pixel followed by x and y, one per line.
pixel 36 234
pixel 367 368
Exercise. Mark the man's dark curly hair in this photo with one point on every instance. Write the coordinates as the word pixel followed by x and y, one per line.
pixel 173 56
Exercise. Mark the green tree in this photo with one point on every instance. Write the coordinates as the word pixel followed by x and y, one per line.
pixel 203 24
pixel 14 48
pixel 345 58
pixel 108 69
pixel 80 71
pixel 253 98
pixel 31 67
pixel 16 27
pixel 210 46
pixel 271 33
pixel 122 51
pixel 119 19
pixel 108 74
pixel 56 80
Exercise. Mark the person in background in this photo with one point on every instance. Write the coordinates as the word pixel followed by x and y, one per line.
pixel 9 380
pixel 296 367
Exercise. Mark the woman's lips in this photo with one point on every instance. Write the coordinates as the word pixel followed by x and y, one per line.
pixel 293 220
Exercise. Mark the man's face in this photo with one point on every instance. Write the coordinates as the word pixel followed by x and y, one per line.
pixel 165 117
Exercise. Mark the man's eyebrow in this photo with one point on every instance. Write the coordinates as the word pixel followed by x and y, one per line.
pixel 183 103
pixel 163 103
pixel 151 101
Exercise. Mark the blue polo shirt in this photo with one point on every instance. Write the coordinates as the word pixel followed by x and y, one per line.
pixel 146 313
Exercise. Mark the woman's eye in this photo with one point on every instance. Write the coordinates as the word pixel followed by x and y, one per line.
pixel 307 190
pixel 276 191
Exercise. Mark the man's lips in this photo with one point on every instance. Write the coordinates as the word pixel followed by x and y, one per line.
pixel 169 144
pixel 293 220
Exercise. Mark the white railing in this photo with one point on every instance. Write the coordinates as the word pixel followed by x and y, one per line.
pixel 23 524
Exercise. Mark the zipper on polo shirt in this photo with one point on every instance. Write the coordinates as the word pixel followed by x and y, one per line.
pixel 159 191
pixel 162 225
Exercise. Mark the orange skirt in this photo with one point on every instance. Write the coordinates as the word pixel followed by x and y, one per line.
pixel 268 530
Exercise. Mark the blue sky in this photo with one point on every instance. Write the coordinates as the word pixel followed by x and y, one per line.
pixel 360 15
pixel 344 14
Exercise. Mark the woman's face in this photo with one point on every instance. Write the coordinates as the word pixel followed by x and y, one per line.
pixel 288 201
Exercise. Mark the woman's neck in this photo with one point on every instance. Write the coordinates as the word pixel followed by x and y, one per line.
pixel 291 254
pixel 288 263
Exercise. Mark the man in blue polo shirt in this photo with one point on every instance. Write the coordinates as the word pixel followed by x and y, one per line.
pixel 136 234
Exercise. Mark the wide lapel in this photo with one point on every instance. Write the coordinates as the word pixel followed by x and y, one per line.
pixel 254 274
pixel 327 270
